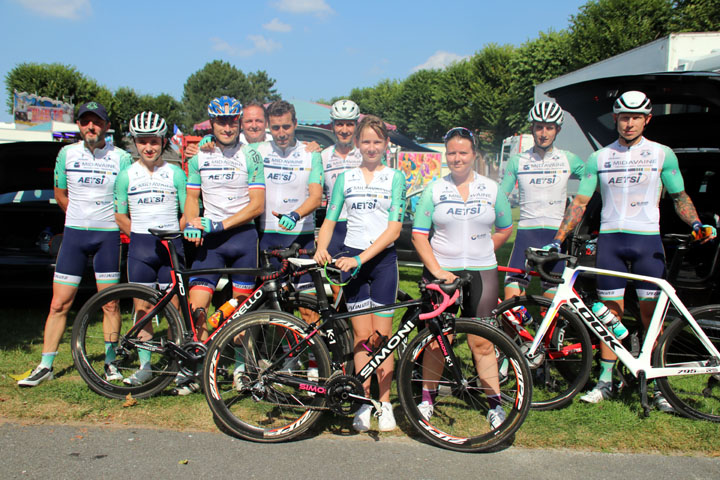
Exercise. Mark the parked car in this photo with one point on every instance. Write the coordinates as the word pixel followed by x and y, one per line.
pixel 686 116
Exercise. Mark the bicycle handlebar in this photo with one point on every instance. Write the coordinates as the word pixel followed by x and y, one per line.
pixel 539 257
pixel 449 292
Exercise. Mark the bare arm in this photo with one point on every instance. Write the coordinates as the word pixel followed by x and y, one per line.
pixel 573 215
pixel 500 237
pixel 123 221
pixel 424 249
pixel 61 197
pixel 684 207
pixel 324 236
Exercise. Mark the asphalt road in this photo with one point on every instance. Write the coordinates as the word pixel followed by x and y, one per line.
pixel 89 452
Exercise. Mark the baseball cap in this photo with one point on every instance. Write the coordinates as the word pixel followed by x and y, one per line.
pixel 93 107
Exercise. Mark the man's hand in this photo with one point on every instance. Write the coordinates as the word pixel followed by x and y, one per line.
pixel 312 146
pixel 287 221
pixel 192 234
pixel 211 226
pixel 704 233
pixel 553 246
pixel 207 144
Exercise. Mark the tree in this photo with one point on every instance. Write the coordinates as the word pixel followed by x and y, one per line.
pixel 219 78
pixel 378 100
pixel 696 16
pixel 415 110
pixel 54 80
pixel 604 28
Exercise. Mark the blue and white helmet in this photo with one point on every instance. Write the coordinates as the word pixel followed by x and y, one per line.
pixel 224 107
pixel 546 112
pixel 632 102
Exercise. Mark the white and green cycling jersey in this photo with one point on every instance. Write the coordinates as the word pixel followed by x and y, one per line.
pixel 287 178
pixel 462 230
pixel 89 177
pixel 542 185
pixel 333 166
pixel 631 180
pixel 369 206
pixel 225 178
pixel 152 200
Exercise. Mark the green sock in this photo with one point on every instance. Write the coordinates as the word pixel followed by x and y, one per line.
pixel 606 370
pixel 48 359
pixel 240 358
pixel 144 356
pixel 110 351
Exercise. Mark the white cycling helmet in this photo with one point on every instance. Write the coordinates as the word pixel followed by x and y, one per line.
pixel 148 124
pixel 632 102
pixel 548 112
pixel 345 110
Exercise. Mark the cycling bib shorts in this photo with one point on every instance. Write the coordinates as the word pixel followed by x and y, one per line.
pixel 525 238
pixel 376 283
pixel 78 245
pixel 148 261
pixel 479 298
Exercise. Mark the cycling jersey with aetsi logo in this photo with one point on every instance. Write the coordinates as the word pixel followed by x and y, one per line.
pixel 153 200
pixel 89 177
pixel 334 165
pixel 287 177
pixel 462 229
pixel 370 206
pixel 225 178
pixel 542 184
pixel 631 180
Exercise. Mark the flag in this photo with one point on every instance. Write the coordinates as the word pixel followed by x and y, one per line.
pixel 177 138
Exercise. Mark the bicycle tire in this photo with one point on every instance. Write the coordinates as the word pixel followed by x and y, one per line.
pixel 88 342
pixel 568 352
pixel 693 396
pixel 340 333
pixel 254 407
pixel 458 421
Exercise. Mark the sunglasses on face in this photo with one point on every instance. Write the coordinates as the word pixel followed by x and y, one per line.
pixel 459 132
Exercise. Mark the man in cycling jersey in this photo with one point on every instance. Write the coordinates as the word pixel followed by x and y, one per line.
pixel 85 174
pixel 542 175
pixel 231 180
pixel 630 173
pixel 293 180
pixel 338 158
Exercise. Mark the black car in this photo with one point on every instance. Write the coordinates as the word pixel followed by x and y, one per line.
pixel 686 117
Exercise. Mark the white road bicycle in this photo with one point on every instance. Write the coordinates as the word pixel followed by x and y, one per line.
pixel 684 360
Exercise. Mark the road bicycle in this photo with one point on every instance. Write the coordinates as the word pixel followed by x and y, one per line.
pixel 149 321
pixel 275 399
pixel 684 359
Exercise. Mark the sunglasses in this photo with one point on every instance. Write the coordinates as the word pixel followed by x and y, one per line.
pixel 458 132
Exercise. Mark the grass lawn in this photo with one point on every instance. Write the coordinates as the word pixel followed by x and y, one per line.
pixel 613 426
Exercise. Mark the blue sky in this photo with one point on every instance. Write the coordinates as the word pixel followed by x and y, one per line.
pixel 312 48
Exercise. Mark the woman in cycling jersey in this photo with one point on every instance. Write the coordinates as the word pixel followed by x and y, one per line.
pixel 461 208
pixel 148 194
pixel 374 198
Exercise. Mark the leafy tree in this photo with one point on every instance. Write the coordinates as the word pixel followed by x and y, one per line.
pixel 54 80
pixel 415 109
pixel 262 87
pixel 604 28
pixel 696 16
pixel 378 100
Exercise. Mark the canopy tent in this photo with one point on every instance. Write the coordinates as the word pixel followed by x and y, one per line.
pixel 307 113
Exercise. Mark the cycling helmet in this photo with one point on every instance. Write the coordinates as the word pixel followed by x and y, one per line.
pixel 148 124
pixel 224 107
pixel 345 110
pixel 632 102
pixel 549 112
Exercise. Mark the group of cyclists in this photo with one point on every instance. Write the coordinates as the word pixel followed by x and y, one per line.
pixel 239 174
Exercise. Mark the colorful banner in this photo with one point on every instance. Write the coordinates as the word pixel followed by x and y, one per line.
pixel 31 109
pixel 419 168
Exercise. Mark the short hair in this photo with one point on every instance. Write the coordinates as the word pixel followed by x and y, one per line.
pixel 279 108
pixel 374 123
pixel 259 105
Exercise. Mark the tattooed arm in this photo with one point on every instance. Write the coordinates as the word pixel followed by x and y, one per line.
pixel 684 207
pixel 573 215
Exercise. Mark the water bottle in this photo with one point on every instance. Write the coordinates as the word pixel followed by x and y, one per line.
pixel 223 312
pixel 522 315
pixel 610 320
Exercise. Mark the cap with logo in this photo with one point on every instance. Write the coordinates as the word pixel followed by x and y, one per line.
pixel 93 107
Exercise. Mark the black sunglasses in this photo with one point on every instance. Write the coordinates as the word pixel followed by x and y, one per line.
pixel 458 132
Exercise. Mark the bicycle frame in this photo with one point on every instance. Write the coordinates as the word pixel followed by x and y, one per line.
pixel 566 295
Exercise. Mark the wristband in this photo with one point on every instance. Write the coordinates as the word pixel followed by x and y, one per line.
pixel 357 259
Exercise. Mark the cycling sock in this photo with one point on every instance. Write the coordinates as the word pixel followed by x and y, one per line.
pixel 110 351
pixel 48 359
pixel 239 358
pixel 144 356
pixel 428 396
pixel 606 370
pixel 493 401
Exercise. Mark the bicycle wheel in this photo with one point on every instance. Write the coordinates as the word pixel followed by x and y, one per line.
pixel 88 340
pixel 245 394
pixel 561 367
pixel 337 335
pixel 460 413
pixel 694 396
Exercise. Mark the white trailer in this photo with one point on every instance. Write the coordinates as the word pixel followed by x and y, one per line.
pixel 677 52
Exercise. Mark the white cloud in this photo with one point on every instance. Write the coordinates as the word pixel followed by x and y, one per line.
pixel 276 25
pixel 318 7
pixel 439 59
pixel 259 43
pixel 70 9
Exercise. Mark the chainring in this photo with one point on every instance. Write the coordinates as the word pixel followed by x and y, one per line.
pixel 340 389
